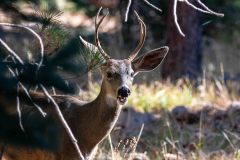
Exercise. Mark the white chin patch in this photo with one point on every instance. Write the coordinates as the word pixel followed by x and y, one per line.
pixel 121 100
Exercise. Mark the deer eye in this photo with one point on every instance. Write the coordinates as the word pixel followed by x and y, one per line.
pixel 110 75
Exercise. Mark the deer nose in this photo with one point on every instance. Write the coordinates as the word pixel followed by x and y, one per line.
pixel 124 92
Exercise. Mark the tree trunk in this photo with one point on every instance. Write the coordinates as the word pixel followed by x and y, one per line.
pixel 185 57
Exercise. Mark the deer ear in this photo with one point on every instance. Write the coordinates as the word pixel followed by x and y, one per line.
pixel 89 46
pixel 149 60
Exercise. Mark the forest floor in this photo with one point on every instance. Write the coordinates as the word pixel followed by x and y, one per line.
pixel 177 121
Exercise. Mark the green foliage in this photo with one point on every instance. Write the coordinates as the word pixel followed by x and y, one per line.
pixel 90 59
pixel 49 17
pixel 237 154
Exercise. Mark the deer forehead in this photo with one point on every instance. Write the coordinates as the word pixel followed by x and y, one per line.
pixel 118 66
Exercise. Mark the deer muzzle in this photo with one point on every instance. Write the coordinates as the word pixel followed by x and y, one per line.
pixel 122 95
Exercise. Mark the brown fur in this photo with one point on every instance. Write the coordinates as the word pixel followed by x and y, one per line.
pixel 90 122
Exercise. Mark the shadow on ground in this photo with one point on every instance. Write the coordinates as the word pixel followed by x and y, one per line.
pixel 182 133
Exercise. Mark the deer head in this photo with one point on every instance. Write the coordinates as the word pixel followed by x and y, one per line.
pixel 118 75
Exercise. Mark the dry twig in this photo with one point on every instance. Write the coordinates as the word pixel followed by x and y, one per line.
pixel 176 18
pixel 205 10
pixel 14 74
pixel 19 113
pixel 12 52
pixel 15 55
pixel 138 138
pixel 146 1
pixel 195 7
pixel 127 11
pixel 63 121
pixel 27 93
pixel 209 10
pixel 34 33
pixel 152 5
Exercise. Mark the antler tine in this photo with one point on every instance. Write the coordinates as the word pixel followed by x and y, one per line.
pixel 142 38
pixel 97 25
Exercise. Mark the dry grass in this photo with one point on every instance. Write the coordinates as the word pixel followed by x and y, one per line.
pixel 212 136
pixel 166 95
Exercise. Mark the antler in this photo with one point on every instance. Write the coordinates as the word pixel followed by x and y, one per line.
pixel 97 24
pixel 142 38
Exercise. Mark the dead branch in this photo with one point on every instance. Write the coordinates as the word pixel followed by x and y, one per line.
pixel 195 7
pixel 63 121
pixel 19 110
pixel 138 138
pixel 15 55
pixel 145 1
pixel 176 18
pixel 127 10
pixel 205 10
pixel 35 34
pixel 209 10
pixel 27 93
pixel 152 5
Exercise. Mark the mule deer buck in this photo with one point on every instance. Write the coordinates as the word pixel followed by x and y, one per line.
pixel 92 121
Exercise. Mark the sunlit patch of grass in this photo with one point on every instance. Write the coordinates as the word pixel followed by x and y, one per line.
pixel 154 96
pixel 166 95
pixel 237 154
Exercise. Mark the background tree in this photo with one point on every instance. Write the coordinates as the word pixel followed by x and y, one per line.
pixel 185 55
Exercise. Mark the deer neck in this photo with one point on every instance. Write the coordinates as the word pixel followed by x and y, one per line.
pixel 107 107
pixel 106 101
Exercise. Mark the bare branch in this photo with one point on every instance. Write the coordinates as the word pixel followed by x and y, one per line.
pixel 35 34
pixel 19 112
pixel 63 121
pixel 15 55
pixel 153 6
pixel 209 10
pixel 195 7
pixel 27 93
pixel 176 19
pixel 127 11
pixel 205 10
